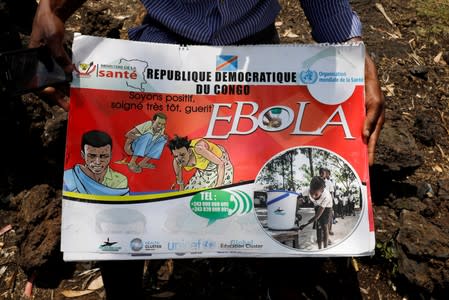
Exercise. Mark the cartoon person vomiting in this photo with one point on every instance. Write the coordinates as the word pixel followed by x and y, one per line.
pixel 210 161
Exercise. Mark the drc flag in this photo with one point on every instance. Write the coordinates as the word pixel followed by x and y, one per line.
pixel 227 63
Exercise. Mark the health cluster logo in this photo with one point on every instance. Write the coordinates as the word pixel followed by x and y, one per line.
pixel 136 244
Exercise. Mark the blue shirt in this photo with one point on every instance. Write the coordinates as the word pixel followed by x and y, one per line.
pixel 224 22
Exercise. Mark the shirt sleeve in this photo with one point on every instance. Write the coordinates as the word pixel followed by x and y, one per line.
pixel 144 127
pixel 329 185
pixel 332 21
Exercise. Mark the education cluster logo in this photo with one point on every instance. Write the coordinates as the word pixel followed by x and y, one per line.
pixel 227 63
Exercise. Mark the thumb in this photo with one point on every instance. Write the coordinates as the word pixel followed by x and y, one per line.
pixel 374 115
pixel 55 96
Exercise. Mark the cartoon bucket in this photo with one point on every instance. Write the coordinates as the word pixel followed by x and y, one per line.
pixel 281 209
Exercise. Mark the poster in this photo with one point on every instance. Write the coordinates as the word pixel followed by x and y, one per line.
pixel 201 151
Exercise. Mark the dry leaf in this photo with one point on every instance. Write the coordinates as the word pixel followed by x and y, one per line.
pixel 5 229
pixel 2 270
pixel 364 291
pixel 377 276
pixel 89 271
pixel 166 270
pixel 288 33
pixel 437 168
pixel 121 18
pixel 416 58
pixel 355 265
pixel 381 8
pixel 96 284
pixel 73 294
pixel 166 294
pixel 395 35
pixel 438 57
pixel 389 89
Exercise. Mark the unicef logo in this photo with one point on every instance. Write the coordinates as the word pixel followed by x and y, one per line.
pixel 308 77
pixel 136 244
pixel 209 244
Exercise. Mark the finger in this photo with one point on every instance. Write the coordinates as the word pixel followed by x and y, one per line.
pixel 62 100
pixel 374 111
pixel 373 139
pixel 375 116
pixel 55 96
pixel 34 43
pixel 374 98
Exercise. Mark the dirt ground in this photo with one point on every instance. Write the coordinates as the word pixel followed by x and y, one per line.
pixel 408 42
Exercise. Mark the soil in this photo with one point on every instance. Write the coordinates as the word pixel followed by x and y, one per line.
pixel 409 180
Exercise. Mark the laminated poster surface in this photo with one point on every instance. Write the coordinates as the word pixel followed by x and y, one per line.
pixel 201 151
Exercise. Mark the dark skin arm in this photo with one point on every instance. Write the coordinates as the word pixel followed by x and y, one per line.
pixel 374 104
pixel 48 30
pixel 272 121
pixel 375 108
pixel 48 26
pixel 374 99
pixel 316 217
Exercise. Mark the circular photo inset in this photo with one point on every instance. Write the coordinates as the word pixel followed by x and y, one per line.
pixel 278 118
pixel 310 198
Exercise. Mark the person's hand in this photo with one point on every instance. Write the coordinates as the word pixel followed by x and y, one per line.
pixel 274 122
pixel 48 30
pixel 174 185
pixel 127 147
pixel 374 103
pixel 375 108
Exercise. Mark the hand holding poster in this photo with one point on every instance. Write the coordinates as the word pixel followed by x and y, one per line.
pixel 204 151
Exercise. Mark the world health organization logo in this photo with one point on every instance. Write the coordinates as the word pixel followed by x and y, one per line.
pixel 308 77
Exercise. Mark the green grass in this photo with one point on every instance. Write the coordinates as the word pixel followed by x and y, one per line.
pixel 436 12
